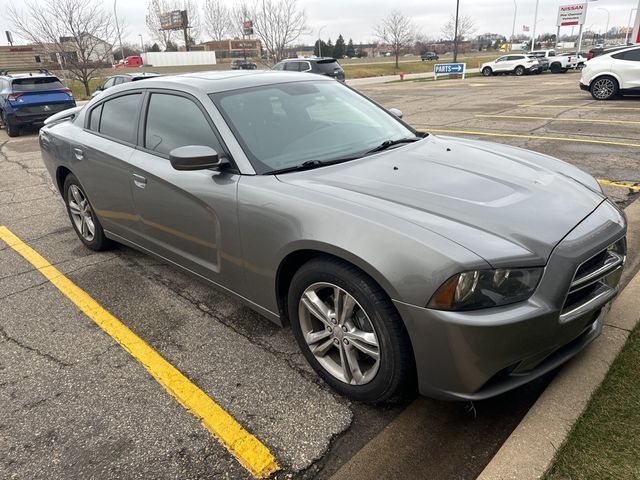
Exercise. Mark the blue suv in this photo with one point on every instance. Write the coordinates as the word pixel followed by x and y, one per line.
pixel 30 98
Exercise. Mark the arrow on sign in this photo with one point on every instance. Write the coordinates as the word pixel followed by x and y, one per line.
pixel 456 68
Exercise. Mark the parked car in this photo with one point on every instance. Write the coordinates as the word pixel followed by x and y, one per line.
pixel 580 59
pixel 614 73
pixel 395 256
pixel 30 98
pixel 242 64
pixel 323 66
pixel 133 61
pixel 518 64
pixel 557 63
pixel 120 79
pixel 597 51
pixel 429 56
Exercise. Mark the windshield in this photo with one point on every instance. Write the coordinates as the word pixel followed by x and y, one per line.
pixel 32 84
pixel 284 125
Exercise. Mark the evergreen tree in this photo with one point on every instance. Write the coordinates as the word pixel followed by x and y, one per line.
pixel 329 50
pixel 320 47
pixel 350 51
pixel 338 48
pixel 155 48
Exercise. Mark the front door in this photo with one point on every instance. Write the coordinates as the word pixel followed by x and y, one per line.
pixel 188 217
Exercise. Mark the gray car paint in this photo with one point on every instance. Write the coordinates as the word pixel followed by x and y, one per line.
pixel 449 205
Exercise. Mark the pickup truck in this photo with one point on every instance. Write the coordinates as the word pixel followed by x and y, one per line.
pixel 130 62
pixel 555 63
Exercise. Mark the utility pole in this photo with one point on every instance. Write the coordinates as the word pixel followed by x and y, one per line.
pixel 533 32
pixel 455 35
pixel 513 29
pixel 604 38
pixel 115 13
pixel 185 31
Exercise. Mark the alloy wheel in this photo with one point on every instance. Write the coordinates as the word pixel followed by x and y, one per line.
pixel 603 88
pixel 339 333
pixel 81 213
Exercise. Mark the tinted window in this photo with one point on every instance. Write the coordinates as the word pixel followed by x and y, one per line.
pixel 328 67
pixel 292 66
pixel 631 55
pixel 32 84
pixel 173 122
pixel 94 119
pixel 120 117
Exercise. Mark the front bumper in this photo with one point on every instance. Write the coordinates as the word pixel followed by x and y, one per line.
pixel 479 354
pixel 584 87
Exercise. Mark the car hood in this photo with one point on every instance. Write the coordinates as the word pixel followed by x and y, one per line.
pixel 508 205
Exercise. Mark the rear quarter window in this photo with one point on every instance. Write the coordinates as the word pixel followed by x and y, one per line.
pixel 328 67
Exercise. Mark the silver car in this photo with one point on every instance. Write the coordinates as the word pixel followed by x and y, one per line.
pixel 398 258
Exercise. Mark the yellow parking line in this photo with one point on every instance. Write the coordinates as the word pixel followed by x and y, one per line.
pixel 557 119
pixel 530 137
pixel 249 451
pixel 601 106
pixel 619 184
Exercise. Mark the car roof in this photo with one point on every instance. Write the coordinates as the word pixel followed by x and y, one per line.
pixel 618 49
pixel 310 59
pixel 14 76
pixel 221 80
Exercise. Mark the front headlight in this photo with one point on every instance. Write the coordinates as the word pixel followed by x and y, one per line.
pixel 486 288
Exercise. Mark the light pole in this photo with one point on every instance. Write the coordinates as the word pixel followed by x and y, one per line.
pixel 533 33
pixel 115 13
pixel 513 29
pixel 604 38
pixel 626 35
pixel 320 40
pixel 141 43
pixel 455 34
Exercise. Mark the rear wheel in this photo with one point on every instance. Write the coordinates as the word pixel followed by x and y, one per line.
pixel 519 70
pixel 349 331
pixel 486 72
pixel 12 129
pixel 555 68
pixel 604 88
pixel 83 218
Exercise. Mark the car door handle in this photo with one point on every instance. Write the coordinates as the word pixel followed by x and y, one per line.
pixel 79 154
pixel 139 181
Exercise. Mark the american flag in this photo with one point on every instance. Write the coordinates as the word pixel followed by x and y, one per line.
pixel 525 28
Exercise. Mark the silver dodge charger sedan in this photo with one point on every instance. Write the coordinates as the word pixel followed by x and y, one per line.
pixel 398 258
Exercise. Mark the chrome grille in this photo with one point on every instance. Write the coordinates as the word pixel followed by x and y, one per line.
pixel 595 281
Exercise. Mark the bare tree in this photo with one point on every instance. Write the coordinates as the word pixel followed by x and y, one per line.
pixel 79 34
pixel 278 24
pixel 157 8
pixel 466 27
pixel 396 31
pixel 217 19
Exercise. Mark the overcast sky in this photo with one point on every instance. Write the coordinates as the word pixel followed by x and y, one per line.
pixel 356 18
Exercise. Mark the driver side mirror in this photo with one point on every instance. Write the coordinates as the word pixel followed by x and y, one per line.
pixel 396 112
pixel 195 157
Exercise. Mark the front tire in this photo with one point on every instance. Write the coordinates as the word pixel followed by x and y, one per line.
pixel 83 219
pixel 604 88
pixel 350 332
pixel 487 72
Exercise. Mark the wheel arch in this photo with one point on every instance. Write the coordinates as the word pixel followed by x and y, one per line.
pixel 292 262
pixel 62 173
pixel 606 74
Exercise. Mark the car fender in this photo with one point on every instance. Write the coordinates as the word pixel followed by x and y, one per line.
pixel 605 74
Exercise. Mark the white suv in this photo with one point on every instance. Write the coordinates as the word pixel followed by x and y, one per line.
pixel 608 75
pixel 518 64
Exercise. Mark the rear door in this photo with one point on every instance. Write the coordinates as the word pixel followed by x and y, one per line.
pixel 188 217
pixel 101 154
pixel 627 66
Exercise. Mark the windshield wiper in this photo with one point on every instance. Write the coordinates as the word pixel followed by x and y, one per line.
pixel 310 164
pixel 390 143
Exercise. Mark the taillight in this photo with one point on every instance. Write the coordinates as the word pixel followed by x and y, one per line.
pixel 14 96
pixel 589 55
pixel 67 91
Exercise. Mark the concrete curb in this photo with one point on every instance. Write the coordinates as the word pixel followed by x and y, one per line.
pixel 530 449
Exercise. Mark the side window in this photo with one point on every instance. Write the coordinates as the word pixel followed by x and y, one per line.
pixel 292 66
pixel 109 83
pixel 278 66
pixel 174 121
pixel 119 80
pixel 501 59
pixel 631 55
pixel 94 119
pixel 119 117
pixel 305 66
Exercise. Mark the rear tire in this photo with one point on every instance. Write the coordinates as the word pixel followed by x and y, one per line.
pixel 604 88
pixel 519 71
pixel 359 345
pixel 487 72
pixel 82 216
pixel 555 68
pixel 13 130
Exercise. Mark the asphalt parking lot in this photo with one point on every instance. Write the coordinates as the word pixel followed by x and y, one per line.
pixel 75 404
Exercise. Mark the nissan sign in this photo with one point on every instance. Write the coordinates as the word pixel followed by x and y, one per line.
pixel 569 15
